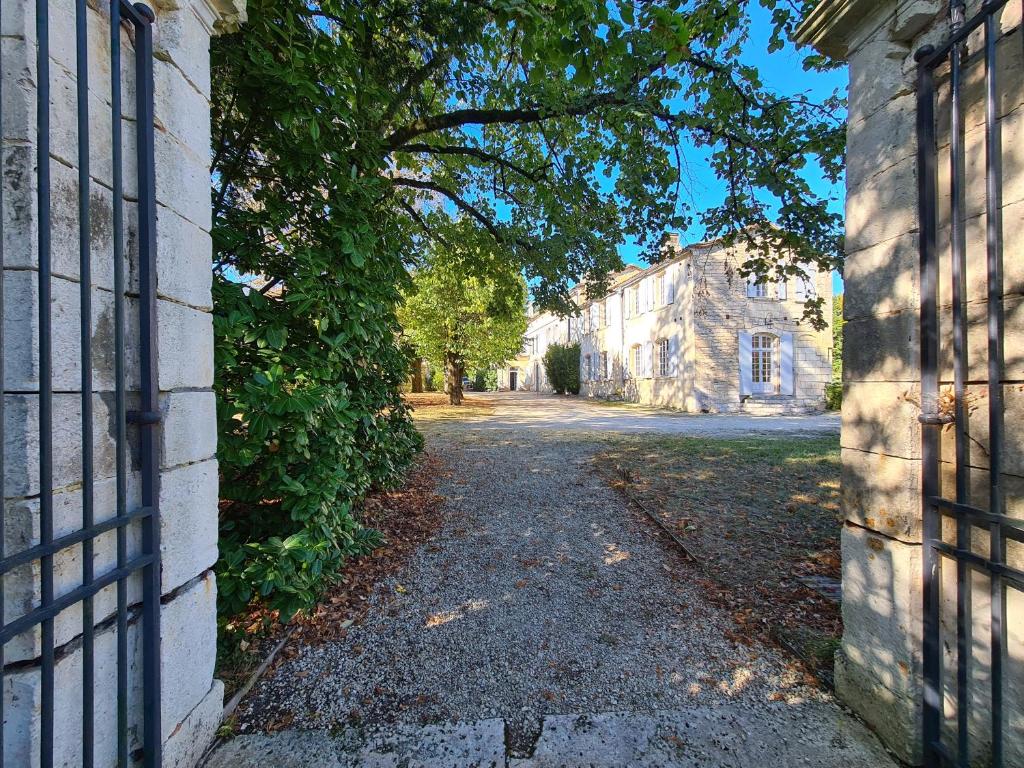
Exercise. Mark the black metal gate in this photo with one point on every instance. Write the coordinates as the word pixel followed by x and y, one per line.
pixel 965 526
pixel 134 689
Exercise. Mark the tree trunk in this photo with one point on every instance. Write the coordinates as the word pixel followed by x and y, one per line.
pixel 417 374
pixel 453 374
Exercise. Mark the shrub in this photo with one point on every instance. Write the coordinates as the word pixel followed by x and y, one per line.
pixel 562 366
pixel 834 396
pixel 491 380
pixel 480 380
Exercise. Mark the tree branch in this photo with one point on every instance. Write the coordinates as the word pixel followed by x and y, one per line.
pixel 431 149
pixel 520 115
pixel 461 203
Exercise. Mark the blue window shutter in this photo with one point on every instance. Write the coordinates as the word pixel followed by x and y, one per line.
pixel 746 379
pixel 786 363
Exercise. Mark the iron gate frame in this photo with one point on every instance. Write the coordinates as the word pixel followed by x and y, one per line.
pixel 138 19
pixel 935 506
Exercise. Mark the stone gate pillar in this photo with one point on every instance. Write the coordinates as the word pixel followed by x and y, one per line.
pixel 879 665
pixel 191 699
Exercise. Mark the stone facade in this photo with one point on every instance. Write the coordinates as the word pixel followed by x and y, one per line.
pixel 685 333
pixel 526 372
pixel 191 697
pixel 878 668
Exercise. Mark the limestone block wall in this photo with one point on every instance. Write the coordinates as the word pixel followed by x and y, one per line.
pixel 722 309
pixel 191 697
pixel 704 321
pixel 878 668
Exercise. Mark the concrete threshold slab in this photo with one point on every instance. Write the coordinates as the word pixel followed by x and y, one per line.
pixel 479 744
pixel 811 733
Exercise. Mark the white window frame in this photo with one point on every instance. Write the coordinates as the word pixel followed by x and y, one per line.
pixel 636 360
pixel 764 363
pixel 756 290
pixel 662 357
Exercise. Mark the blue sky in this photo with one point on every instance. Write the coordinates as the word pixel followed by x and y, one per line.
pixel 783 72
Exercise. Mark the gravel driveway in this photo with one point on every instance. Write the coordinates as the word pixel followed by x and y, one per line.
pixel 543 600
pixel 531 411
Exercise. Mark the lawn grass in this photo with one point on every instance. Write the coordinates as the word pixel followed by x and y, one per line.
pixel 761 517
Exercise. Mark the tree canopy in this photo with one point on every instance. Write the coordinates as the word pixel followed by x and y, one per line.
pixel 351 138
pixel 555 127
pixel 462 321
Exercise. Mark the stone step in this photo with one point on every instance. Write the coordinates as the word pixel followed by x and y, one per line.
pixel 808 733
pixel 776 407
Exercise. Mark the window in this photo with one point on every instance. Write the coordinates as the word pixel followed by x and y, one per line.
pixel 602 314
pixel 780 289
pixel 595 316
pixel 756 290
pixel 762 362
pixel 634 299
pixel 586 368
pixel 604 366
pixel 659 288
pixel 804 289
pixel 663 362
pixel 636 356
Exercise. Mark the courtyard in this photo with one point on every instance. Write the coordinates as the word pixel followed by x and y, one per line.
pixel 549 621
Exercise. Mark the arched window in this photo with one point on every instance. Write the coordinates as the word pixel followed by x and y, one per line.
pixel 764 362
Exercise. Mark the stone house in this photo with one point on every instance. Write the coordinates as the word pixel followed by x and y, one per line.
pixel 526 370
pixel 689 333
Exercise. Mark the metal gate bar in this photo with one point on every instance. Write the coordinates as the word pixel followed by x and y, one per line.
pixel 935 507
pixel 139 19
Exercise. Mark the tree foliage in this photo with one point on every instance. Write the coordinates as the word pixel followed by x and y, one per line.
pixel 348 136
pixel 461 321
pixel 562 367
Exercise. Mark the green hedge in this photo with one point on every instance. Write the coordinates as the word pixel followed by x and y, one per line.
pixel 834 396
pixel 562 366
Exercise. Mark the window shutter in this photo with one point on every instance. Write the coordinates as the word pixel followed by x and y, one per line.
pixel 804 289
pixel 649 359
pixel 746 384
pixel 670 285
pixel 751 288
pixel 781 289
pixel 626 309
pixel 786 363
pixel 673 355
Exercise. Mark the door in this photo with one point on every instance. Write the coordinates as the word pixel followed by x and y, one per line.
pixel 764 362
pixel 513 380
